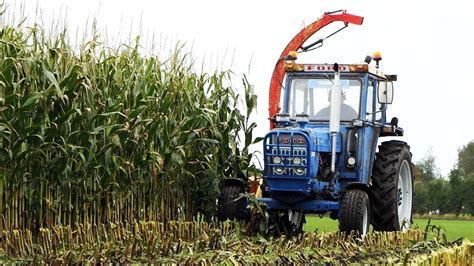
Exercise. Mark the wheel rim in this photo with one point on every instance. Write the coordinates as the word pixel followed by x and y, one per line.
pixel 404 196
pixel 295 217
pixel 365 222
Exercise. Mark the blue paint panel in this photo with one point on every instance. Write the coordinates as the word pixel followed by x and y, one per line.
pixel 305 205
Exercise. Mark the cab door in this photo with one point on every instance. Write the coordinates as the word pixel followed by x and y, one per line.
pixel 370 130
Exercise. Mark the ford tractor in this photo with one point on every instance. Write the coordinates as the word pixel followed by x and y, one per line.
pixel 321 154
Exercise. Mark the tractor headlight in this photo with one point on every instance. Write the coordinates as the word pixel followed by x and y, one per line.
pixel 277 160
pixel 351 161
pixel 297 160
pixel 300 171
pixel 279 170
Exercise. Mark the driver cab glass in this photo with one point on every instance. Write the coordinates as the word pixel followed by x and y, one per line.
pixel 312 96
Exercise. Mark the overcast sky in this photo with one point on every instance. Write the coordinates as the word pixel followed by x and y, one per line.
pixel 429 44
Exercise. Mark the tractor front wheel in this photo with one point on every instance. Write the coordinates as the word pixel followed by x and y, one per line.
pixel 289 222
pixel 355 212
pixel 231 205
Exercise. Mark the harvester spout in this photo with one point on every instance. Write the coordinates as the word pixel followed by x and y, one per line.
pixel 335 114
pixel 297 44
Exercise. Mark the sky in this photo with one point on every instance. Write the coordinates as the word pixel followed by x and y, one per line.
pixel 429 44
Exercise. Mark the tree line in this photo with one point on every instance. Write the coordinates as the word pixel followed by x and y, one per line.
pixel 452 194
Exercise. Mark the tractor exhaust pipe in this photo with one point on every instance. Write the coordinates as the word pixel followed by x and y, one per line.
pixel 335 114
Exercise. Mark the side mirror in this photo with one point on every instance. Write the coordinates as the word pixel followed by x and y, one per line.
pixel 385 92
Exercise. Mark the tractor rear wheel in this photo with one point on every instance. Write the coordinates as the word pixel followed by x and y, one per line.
pixel 355 212
pixel 230 205
pixel 392 187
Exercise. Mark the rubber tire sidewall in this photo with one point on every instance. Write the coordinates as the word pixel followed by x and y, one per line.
pixel 351 214
pixel 384 188
pixel 279 223
pixel 228 206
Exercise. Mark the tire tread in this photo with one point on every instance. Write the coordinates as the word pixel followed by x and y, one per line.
pixel 352 211
pixel 384 184
pixel 228 206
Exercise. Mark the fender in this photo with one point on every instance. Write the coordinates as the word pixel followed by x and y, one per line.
pixel 294 45
pixel 358 185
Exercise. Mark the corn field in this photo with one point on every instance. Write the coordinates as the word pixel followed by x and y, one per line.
pixel 198 242
pixel 100 135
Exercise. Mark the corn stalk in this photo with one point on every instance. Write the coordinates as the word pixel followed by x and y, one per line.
pixel 201 242
pixel 100 135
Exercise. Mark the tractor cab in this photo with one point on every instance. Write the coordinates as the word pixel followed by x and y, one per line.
pixel 310 93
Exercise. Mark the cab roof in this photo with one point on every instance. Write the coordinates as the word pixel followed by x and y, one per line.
pixel 343 68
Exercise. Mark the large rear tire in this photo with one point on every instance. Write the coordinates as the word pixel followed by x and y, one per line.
pixel 230 205
pixel 354 215
pixel 392 187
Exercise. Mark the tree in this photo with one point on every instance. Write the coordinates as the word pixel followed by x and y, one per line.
pixel 466 158
pixel 469 188
pixel 420 198
pixel 426 170
pixel 457 191
pixel 437 196
pixel 433 193
pixel 425 198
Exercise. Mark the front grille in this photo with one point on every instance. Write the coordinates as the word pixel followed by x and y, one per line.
pixel 286 154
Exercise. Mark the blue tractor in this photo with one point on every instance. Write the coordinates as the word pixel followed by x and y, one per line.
pixel 321 154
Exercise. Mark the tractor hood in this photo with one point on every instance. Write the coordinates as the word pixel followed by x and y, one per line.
pixel 321 140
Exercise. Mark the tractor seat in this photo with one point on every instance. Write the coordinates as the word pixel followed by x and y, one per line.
pixel 347 113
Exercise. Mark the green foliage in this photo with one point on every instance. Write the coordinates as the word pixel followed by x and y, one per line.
pixel 436 194
pixel 466 158
pixel 469 188
pixel 439 195
pixel 420 198
pixel 259 217
pixel 100 134
pixel 426 170
pixel 457 191
pixel 426 182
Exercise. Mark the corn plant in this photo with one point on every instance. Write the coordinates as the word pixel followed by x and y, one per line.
pixel 99 135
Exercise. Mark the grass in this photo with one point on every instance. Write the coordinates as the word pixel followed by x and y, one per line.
pixel 324 224
pixel 454 228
